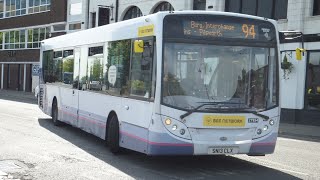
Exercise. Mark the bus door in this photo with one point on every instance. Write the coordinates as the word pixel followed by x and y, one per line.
pixel 75 88
pixel 68 97
pixel 69 92
pixel 137 108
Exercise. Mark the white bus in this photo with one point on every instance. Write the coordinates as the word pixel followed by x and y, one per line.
pixel 171 83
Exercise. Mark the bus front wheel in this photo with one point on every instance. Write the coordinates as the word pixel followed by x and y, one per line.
pixel 113 135
pixel 54 113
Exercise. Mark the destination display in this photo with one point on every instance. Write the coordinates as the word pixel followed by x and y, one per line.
pixel 218 27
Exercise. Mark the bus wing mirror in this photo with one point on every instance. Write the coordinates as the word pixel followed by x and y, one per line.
pixel 138 46
pixel 299 54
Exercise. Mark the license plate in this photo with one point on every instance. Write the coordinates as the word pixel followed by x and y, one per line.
pixel 223 150
pixel 224 121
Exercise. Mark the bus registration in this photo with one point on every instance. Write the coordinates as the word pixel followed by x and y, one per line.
pixel 223 150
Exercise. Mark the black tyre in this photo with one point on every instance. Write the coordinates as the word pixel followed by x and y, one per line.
pixel 54 113
pixel 113 135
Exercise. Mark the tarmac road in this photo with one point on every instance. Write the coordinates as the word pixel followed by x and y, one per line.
pixel 32 148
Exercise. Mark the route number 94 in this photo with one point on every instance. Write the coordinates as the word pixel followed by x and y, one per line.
pixel 249 31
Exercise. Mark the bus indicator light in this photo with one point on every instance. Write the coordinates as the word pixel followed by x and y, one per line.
pixel 271 122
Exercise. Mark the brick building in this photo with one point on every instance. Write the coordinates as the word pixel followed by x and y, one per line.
pixel 23 24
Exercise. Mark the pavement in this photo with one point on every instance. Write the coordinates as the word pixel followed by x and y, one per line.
pixel 294 131
pixel 20 96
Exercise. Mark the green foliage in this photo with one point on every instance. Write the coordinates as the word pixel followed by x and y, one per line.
pixel 1 37
pixel 287 67
pixel 67 65
pixel 137 85
pixel 119 56
pixel 96 71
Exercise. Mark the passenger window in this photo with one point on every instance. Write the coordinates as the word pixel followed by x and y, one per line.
pixel 57 66
pixel 67 67
pixel 95 69
pixel 47 67
pixel 141 71
pixel 117 71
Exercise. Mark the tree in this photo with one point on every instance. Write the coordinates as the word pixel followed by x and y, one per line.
pixel 67 65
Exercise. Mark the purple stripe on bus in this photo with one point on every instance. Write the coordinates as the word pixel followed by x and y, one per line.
pixel 154 143
pixel 265 146
pixel 85 118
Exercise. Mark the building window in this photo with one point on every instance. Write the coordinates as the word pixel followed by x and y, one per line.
pixel 313 81
pixel 36 35
pixel 164 6
pixel 15 8
pixel 36 6
pixel 75 26
pixel 93 19
pixel 12 8
pixel 75 9
pixel 14 39
pixel 59 27
pixel 316 7
pixel 199 4
pixel 274 9
pixel 1 40
pixel 104 16
pixel 133 12
pixel 1 8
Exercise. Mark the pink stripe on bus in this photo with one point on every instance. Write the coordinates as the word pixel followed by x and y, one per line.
pixel 155 143
pixel 264 144
pixel 84 118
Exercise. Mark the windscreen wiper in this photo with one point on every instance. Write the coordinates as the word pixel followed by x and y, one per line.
pixel 265 117
pixel 195 109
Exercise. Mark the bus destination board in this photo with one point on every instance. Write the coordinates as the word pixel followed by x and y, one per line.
pixel 218 28
pixel 208 29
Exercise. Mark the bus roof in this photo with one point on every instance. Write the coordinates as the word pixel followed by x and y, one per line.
pixel 123 30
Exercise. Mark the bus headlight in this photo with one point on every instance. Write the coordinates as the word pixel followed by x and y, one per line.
pixel 167 121
pixel 176 127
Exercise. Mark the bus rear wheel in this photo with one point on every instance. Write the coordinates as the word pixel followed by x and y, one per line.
pixel 113 135
pixel 54 113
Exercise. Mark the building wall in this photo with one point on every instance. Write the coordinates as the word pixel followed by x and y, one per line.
pixel 56 14
pixel 17 63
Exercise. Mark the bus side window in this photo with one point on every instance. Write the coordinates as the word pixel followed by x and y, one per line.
pixel 47 66
pixel 95 69
pixel 67 67
pixel 118 67
pixel 142 70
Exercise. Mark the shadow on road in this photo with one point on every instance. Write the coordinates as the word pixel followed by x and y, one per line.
pixel 140 166
pixel 18 96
